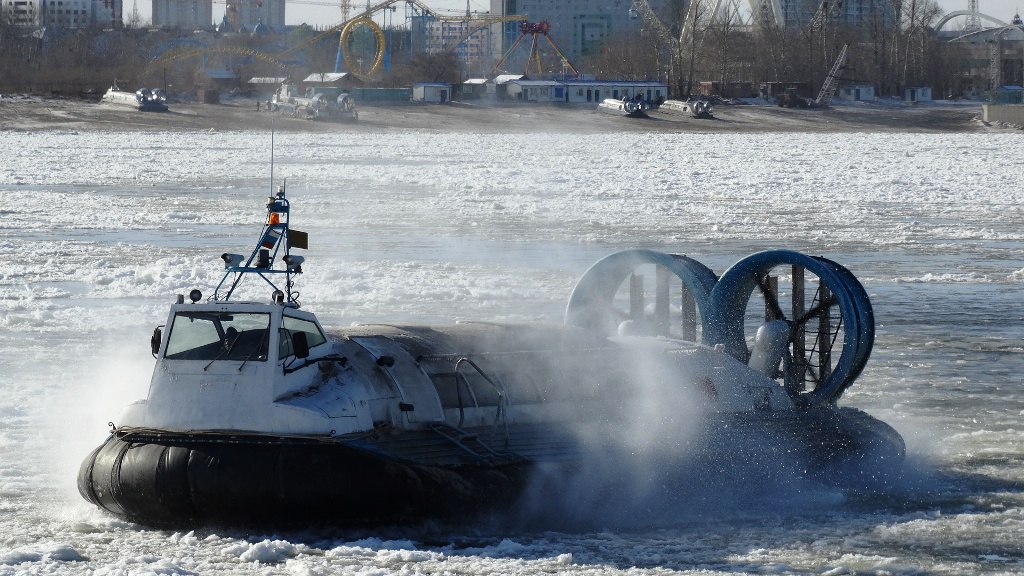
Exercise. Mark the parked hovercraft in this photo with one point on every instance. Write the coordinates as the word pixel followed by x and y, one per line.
pixel 697 108
pixel 635 107
pixel 142 99
pixel 255 413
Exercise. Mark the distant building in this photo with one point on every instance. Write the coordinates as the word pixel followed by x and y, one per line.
pixel 850 13
pixel 536 90
pixel 469 39
pixel 995 56
pixel 477 89
pixel 917 94
pixel 331 80
pixel 857 92
pixel 436 92
pixel 240 16
pixel 245 15
pixel 216 78
pixel 738 89
pixel 578 27
pixel 774 89
pixel 62 13
pixel 583 91
pixel 265 84
pixel 184 14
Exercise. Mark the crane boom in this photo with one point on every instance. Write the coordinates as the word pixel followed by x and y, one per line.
pixel 828 88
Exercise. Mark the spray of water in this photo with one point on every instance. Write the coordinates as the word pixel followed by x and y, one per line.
pixel 109 373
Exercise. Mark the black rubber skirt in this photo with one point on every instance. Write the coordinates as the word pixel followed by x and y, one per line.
pixel 180 481
pixel 161 479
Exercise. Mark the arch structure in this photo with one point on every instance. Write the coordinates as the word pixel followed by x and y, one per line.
pixel 181 52
pixel 176 44
pixel 956 14
pixel 346 56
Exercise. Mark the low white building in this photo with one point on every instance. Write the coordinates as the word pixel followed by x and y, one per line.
pixel 536 90
pixel 436 92
pixel 477 89
pixel 582 91
pixel 857 92
pixel 917 94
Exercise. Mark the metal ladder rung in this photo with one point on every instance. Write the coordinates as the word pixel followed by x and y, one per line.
pixel 463 439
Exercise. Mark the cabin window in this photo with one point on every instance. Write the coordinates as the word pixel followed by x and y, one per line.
pixel 289 326
pixel 199 335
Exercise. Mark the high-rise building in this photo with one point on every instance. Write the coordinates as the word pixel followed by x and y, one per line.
pixel 245 15
pixel 239 15
pixel 578 27
pixel 797 14
pixel 184 14
pixel 63 13
pixel 470 39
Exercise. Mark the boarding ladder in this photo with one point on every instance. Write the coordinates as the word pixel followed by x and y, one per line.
pixel 470 442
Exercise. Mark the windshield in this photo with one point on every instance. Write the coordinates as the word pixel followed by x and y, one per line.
pixel 218 336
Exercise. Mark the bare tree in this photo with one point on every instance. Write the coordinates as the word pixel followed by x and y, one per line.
pixel 627 56
pixel 680 32
pixel 723 44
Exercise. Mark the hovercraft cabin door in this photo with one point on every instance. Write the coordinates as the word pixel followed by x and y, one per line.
pixel 420 402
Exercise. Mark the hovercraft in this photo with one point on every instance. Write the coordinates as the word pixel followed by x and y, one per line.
pixel 142 99
pixel 256 413
pixel 697 107
pixel 635 107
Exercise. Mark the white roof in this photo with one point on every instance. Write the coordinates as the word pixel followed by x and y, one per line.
pixel 476 81
pixel 325 76
pixel 537 82
pixel 603 83
pixel 503 78
pixel 267 80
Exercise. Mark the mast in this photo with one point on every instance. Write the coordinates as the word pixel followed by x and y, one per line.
pixel 275 243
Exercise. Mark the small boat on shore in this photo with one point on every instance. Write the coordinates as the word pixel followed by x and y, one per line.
pixel 258 414
pixel 142 99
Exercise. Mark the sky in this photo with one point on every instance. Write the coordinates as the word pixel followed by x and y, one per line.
pixel 315 14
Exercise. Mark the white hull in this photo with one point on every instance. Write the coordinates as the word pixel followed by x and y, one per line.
pixel 625 107
pixel 144 99
pixel 695 108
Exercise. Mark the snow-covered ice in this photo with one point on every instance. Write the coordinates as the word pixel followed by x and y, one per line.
pixel 100 231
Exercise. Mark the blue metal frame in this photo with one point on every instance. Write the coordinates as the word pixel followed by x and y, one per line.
pixel 273 240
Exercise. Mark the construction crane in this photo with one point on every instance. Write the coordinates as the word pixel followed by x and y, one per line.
pixel 831 84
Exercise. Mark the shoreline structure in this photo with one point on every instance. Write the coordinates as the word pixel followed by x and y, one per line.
pixel 32 113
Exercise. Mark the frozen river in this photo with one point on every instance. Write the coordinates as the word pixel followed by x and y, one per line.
pixel 101 230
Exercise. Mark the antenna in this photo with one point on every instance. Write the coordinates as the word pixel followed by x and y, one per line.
pixel 271 155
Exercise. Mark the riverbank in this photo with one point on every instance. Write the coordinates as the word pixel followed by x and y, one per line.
pixel 29 113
